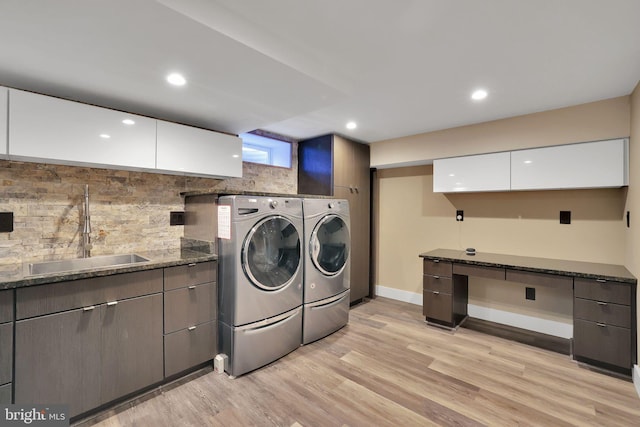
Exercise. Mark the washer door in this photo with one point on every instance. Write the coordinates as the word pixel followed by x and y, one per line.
pixel 329 245
pixel 271 253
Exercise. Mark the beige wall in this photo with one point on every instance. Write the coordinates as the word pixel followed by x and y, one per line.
pixel 587 122
pixel 633 199
pixel 412 219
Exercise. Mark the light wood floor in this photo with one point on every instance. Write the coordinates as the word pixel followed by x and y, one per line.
pixel 387 368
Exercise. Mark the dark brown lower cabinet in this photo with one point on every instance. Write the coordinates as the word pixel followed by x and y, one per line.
pixel 444 299
pixel 190 347
pixel 89 356
pixel 5 394
pixel 602 343
pixel 6 352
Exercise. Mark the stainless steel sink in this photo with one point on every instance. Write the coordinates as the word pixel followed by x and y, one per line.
pixel 79 264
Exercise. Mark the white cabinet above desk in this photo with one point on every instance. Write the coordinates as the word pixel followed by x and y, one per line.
pixel 51 129
pixel 587 165
pixel 483 172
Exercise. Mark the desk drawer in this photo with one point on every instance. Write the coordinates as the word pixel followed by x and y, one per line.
pixel 615 292
pixel 607 344
pixel 602 312
pixel 437 268
pixel 437 306
pixel 437 284
pixel 479 271
pixel 539 279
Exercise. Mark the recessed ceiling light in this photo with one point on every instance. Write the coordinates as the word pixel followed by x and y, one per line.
pixel 235 156
pixel 479 95
pixel 105 136
pixel 351 125
pixel 176 79
pixel 528 162
pixel 129 122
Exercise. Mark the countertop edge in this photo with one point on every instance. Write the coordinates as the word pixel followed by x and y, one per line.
pixel 7 284
pixel 571 273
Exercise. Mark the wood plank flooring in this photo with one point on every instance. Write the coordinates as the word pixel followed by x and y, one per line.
pixel 388 368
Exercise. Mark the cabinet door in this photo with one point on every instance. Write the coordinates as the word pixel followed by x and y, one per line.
pixel 47 128
pixel 131 345
pixel 344 168
pixel 190 347
pixel 315 166
pixel 58 360
pixel 3 121
pixel 190 150
pixel 6 352
pixel 483 172
pixel 586 165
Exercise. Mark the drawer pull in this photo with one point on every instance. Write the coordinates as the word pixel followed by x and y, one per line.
pixel 191 287
pixel 602 325
pixel 191 328
pixel 112 303
pixel 436 277
pixel 436 261
pixel 91 307
pixel 193 264
pixel 601 280
pixel 601 303
pixel 436 292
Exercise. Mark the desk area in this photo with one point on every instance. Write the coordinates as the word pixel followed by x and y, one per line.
pixel 604 298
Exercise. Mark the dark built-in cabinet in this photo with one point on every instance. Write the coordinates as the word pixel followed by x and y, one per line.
pixel 331 165
pixel 444 295
pixel 6 345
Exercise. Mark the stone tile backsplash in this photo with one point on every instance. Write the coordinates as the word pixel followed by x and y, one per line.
pixel 129 210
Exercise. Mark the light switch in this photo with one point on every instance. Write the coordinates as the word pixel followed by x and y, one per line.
pixel 6 222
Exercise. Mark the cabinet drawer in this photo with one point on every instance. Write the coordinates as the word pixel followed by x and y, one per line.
pixel 479 271
pixel 191 274
pixel 437 284
pixel 607 344
pixel 437 306
pixel 188 348
pixel 437 268
pixel 5 394
pixel 6 352
pixel 189 306
pixel 615 292
pixel 539 279
pixel 602 312
pixel 55 297
pixel 6 306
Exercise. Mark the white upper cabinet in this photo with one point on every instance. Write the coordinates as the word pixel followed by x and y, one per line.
pixel 3 121
pixel 484 172
pixel 194 151
pixel 585 165
pixel 51 129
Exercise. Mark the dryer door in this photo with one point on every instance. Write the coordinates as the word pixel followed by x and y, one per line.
pixel 329 245
pixel 271 253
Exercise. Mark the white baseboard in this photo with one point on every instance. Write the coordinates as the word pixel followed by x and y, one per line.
pixel 399 295
pixel 636 378
pixel 531 323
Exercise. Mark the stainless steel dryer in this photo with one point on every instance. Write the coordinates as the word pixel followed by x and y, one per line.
pixel 327 267
pixel 260 280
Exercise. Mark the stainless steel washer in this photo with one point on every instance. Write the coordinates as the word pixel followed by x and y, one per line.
pixel 260 280
pixel 326 266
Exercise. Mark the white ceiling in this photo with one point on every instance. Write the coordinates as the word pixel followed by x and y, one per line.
pixel 304 68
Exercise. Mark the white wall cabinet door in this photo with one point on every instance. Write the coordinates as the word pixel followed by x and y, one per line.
pixel 585 165
pixel 44 128
pixel 193 151
pixel 3 121
pixel 483 172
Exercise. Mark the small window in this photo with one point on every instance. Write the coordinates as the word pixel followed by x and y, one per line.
pixel 264 150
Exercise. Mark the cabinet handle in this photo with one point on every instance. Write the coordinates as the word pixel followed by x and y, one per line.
pixel 191 287
pixel 357 190
pixel 193 264
pixel 436 277
pixel 436 292
pixel 91 307
pixel 601 303
pixel 191 328
pixel 436 261
pixel 601 280
pixel 602 325
pixel 112 303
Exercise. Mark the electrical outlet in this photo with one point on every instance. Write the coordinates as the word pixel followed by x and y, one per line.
pixel 530 293
pixel 176 218
pixel 6 222
pixel 565 217
pixel 459 215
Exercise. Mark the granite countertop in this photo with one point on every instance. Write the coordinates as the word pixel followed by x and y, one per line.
pixel 589 270
pixel 251 193
pixel 12 276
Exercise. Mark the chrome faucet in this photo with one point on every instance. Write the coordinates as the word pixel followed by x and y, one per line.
pixel 86 227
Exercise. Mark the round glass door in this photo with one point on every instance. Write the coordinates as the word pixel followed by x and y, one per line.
pixel 271 253
pixel 329 245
